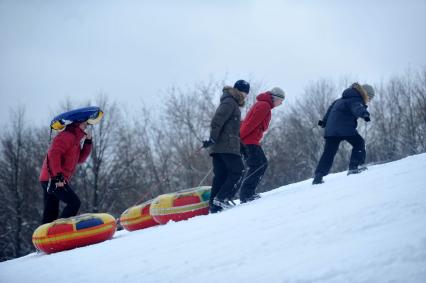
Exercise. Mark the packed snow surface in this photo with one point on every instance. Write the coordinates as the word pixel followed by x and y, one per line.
pixel 369 227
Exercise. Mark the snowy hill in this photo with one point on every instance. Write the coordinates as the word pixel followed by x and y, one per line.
pixel 369 227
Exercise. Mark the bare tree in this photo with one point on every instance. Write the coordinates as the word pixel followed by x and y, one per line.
pixel 137 156
pixel 93 177
pixel 183 124
pixel 20 191
pixel 398 110
pixel 419 92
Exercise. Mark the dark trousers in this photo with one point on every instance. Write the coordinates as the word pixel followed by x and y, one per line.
pixel 51 202
pixel 228 170
pixel 256 164
pixel 330 150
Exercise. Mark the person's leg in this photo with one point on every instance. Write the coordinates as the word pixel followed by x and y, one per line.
pixel 51 205
pixel 256 167
pixel 238 185
pixel 67 195
pixel 220 174
pixel 234 166
pixel 358 151
pixel 326 161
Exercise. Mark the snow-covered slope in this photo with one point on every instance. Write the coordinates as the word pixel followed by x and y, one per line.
pixel 369 227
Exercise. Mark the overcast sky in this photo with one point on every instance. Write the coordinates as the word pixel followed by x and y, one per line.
pixel 134 50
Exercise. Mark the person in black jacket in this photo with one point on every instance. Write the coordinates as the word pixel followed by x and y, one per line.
pixel 224 144
pixel 340 123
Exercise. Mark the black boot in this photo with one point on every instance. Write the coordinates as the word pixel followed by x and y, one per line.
pixel 214 208
pixel 356 170
pixel 317 180
pixel 222 203
pixel 251 198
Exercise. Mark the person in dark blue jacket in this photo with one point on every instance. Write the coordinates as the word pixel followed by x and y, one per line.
pixel 340 123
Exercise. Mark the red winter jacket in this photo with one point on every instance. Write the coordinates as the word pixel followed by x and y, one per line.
pixel 257 120
pixel 65 153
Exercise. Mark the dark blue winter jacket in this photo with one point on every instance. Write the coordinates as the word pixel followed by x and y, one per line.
pixel 341 117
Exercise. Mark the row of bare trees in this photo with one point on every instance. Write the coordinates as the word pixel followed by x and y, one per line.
pixel 137 156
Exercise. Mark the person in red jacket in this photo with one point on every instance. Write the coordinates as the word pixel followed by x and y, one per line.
pixel 252 129
pixel 63 155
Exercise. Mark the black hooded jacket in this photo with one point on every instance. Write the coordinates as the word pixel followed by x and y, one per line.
pixel 341 117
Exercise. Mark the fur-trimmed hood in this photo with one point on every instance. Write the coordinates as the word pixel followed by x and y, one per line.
pixel 361 92
pixel 235 93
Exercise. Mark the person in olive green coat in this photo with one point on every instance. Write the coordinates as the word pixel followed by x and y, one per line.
pixel 224 144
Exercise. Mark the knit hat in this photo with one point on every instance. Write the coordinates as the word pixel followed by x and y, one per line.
pixel 277 92
pixel 242 86
pixel 369 90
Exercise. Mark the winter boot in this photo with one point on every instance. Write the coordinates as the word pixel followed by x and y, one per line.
pixel 251 198
pixel 317 179
pixel 357 170
pixel 214 208
pixel 223 204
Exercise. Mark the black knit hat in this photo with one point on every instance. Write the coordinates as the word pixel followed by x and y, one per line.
pixel 242 86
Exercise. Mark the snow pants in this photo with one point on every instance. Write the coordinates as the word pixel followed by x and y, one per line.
pixel 228 169
pixel 330 149
pixel 51 202
pixel 256 164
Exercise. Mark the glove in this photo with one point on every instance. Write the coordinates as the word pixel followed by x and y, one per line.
pixel 59 178
pixel 367 119
pixel 321 124
pixel 208 143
